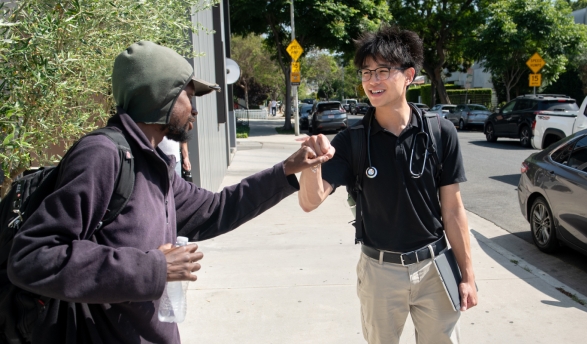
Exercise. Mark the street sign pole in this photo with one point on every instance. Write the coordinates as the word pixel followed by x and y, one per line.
pixel 294 89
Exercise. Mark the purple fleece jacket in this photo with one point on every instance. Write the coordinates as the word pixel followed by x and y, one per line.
pixel 110 289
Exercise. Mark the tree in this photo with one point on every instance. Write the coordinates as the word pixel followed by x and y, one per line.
pixel 256 66
pixel 56 59
pixel 321 69
pixel 444 26
pixel 516 29
pixel 255 93
pixel 323 24
pixel 577 4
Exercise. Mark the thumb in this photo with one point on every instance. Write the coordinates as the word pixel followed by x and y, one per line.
pixel 165 247
pixel 464 301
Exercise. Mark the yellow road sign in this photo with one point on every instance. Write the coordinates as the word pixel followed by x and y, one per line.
pixel 535 80
pixel 295 67
pixel 535 63
pixel 294 49
pixel 295 77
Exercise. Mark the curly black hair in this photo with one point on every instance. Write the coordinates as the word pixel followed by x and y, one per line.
pixel 391 44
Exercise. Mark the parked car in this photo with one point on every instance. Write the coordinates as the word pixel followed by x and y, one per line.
pixel 349 104
pixel 361 108
pixel 553 127
pixel 516 118
pixel 328 115
pixel 305 110
pixel 422 106
pixel 442 109
pixel 468 115
pixel 552 193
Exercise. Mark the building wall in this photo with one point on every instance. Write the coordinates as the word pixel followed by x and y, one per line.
pixel 580 16
pixel 208 146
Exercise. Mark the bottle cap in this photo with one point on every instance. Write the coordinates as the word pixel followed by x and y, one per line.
pixel 182 241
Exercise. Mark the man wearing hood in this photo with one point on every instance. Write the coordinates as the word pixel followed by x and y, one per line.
pixel 105 284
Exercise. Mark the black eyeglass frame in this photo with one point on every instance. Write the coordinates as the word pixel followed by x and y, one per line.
pixel 360 74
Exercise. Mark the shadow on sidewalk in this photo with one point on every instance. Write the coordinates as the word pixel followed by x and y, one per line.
pixel 521 270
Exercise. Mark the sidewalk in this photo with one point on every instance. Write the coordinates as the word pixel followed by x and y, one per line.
pixel 289 276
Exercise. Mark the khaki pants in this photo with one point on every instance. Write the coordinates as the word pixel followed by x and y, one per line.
pixel 388 292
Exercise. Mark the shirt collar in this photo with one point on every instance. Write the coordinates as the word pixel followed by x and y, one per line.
pixel 377 128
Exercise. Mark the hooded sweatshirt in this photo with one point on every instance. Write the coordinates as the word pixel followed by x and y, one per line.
pixel 105 285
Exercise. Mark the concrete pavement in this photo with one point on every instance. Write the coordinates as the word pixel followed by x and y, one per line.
pixel 289 276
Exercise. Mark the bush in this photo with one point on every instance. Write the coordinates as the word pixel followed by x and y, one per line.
pixel 56 60
pixel 473 96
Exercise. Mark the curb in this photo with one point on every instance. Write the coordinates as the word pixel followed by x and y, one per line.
pixel 570 292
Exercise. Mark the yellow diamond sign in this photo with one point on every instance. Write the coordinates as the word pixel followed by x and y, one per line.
pixel 294 49
pixel 535 63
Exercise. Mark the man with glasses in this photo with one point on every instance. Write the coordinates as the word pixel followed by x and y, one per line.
pixel 405 215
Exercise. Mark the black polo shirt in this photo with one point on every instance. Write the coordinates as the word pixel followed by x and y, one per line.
pixel 400 213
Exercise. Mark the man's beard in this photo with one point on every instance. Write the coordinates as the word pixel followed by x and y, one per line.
pixel 175 131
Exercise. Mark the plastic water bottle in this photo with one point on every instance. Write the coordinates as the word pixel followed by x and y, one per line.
pixel 173 303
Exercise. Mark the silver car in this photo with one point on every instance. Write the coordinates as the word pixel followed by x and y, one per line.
pixel 442 109
pixel 468 115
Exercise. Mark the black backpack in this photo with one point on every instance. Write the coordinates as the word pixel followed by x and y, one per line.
pixel 19 309
pixel 357 134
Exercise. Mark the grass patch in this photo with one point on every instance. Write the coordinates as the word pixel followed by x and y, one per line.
pixel 242 131
pixel 514 261
pixel 572 296
pixel 280 130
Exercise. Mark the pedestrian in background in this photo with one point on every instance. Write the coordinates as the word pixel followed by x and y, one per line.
pixel 274 107
pixel 404 216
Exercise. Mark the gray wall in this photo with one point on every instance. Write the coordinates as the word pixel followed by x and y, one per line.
pixel 209 145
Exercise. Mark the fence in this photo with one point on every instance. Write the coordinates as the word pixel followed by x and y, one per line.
pixel 243 115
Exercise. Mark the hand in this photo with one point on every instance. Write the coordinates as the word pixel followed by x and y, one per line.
pixel 468 292
pixel 181 261
pixel 186 164
pixel 319 144
pixel 315 151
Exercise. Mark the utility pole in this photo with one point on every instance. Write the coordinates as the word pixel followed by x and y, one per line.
pixel 294 89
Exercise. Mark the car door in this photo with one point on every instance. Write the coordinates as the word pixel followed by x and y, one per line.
pixel 567 191
pixel 516 117
pixel 502 119
pixel 454 115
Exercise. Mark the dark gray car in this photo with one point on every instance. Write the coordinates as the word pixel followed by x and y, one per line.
pixel 552 193
pixel 328 115
pixel 468 115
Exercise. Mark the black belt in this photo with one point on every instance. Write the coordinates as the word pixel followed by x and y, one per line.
pixel 406 258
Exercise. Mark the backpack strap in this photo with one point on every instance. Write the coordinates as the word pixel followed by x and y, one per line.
pixel 357 135
pixel 125 181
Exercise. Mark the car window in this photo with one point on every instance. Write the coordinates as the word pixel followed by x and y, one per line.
pixel 328 106
pixel 562 154
pixel 477 107
pixel 509 107
pixel 555 105
pixel 435 107
pixel 578 158
pixel 523 104
pixel 458 108
pixel 448 107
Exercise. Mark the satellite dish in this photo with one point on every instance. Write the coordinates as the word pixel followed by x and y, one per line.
pixel 233 71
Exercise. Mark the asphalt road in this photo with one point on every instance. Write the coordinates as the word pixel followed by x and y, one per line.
pixel 493 173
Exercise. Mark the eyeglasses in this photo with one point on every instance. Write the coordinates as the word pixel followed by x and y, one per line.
pixel 381 73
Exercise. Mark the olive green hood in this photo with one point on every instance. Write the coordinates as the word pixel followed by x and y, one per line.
pixel 147 79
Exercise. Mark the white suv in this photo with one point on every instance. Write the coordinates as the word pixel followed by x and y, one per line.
pixel 349 104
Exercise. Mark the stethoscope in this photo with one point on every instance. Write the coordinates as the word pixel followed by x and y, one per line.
pixel 371 171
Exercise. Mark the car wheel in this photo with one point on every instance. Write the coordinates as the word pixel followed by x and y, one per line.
pixel 542 226
pixel 490 133
pixel 525 136
pixel 462 125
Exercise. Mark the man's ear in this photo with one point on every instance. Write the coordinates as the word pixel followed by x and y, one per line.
pixel 410 74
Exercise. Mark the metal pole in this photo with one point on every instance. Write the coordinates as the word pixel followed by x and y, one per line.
pixel 294 89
